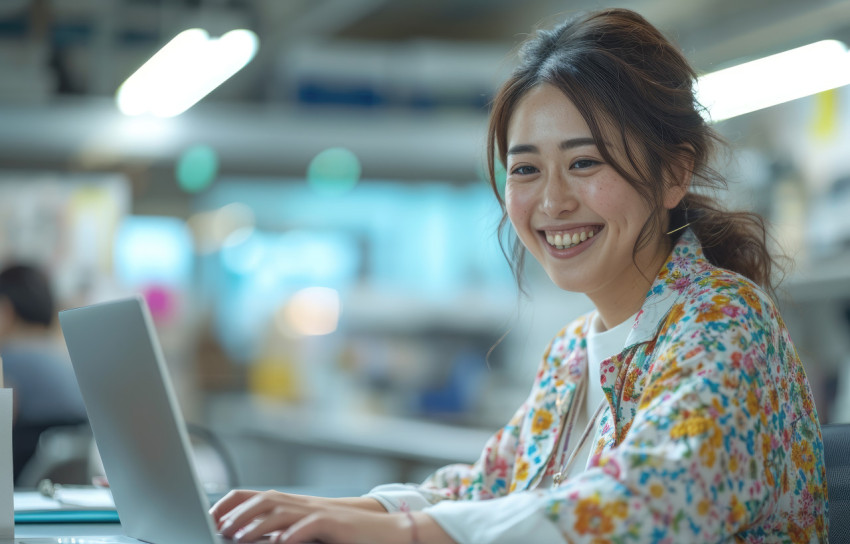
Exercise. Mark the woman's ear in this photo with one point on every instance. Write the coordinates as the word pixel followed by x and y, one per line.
pixel 681 172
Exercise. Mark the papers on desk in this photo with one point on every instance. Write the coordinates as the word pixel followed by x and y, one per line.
pixel 68 505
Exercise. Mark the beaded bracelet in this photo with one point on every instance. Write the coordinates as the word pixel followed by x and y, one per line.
pixel 406 509
pixel 413 528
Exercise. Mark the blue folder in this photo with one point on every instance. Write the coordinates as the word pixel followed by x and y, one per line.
pixel 67 516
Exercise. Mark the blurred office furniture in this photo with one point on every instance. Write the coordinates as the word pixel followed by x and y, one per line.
pixel 814 304
pixel 304 446
pixel 62 455
pixel 828 227
pixel 836 443
pixel 214 464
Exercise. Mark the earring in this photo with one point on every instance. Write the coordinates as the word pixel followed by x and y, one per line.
pixel 680 212
pixel 677 229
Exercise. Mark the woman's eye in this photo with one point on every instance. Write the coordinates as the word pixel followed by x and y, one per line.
pixel 584 163
pixel 523 170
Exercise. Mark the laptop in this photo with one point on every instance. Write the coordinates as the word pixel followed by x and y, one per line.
pixel 137 425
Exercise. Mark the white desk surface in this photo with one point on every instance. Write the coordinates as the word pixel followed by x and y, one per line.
pixel 55 530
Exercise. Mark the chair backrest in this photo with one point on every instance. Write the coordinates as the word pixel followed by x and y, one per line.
pixel 62 455
pixel 836 445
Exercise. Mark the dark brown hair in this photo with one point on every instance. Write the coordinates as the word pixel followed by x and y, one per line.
pixel 630 83
pixel 27 288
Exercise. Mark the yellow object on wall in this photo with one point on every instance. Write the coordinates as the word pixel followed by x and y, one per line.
pixel 825 117
pixel 275 377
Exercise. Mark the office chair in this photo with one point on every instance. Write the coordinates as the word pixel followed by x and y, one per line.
pixel 836 446
pixel 214 465
pixel 62 455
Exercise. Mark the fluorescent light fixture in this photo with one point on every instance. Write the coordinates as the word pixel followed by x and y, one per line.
pixel 779 78
pixel 184 71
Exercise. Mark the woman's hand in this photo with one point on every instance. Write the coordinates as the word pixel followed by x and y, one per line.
pixel 237 497
pixel 249 515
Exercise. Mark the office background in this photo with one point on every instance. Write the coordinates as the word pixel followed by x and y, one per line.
pixel 315 238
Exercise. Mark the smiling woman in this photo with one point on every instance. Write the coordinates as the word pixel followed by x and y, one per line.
pixel 677 410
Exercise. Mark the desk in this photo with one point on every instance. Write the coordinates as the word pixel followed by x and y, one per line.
pixel 57 530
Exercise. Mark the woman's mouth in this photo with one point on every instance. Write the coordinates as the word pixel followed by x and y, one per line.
pixel 571 238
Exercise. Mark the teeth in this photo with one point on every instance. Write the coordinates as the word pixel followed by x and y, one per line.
pixel 564 241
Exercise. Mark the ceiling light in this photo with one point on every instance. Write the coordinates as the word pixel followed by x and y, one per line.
pixel 779 78
pixel 184 71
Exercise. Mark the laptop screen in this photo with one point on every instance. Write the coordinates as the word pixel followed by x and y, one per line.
pixel 136 422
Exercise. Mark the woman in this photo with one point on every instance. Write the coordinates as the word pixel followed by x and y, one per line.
pixel 700 424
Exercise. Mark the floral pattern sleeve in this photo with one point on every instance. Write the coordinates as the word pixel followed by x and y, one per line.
pixel 489 476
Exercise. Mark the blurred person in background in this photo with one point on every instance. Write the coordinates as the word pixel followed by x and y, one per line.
pixel 34 365
pixel 677 410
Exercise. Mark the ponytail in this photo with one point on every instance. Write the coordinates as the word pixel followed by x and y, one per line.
pixel 734 240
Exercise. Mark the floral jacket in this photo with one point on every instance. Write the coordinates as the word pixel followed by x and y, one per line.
pixel 710 433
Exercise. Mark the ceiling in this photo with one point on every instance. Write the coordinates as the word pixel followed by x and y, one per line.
pixel 403 83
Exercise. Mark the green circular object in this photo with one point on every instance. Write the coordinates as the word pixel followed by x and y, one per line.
pixel 197 168
pixel 334 171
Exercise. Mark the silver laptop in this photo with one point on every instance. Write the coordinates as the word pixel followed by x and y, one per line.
pixel 137 424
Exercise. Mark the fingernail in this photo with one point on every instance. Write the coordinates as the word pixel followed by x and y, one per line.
pixel 239 534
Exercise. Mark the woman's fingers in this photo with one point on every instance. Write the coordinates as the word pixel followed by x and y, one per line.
pixel 245 533
pixel 242 515
pixel 275 522
pixel 281 511
pixel 248 516
pixel 345 526
pixel 230 501
pixel 308 529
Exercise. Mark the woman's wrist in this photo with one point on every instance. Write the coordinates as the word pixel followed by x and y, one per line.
pixel 412 528
pixel 422 528
pixel 364 503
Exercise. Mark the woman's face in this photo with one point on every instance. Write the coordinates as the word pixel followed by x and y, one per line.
pixel 573 212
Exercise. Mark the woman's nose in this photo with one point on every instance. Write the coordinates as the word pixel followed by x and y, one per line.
pixel 558 197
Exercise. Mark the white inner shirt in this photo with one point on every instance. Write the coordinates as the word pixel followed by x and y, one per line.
pixel 601 344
